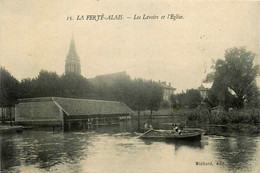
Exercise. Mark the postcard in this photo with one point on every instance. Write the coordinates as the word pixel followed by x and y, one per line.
pixel 129 86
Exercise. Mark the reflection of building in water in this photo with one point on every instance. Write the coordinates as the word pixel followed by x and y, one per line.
pixel 57 111
pixel 168 90
pixel 72 60
pixel 203 91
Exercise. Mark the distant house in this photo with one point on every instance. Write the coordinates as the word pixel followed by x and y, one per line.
pixel 57 111
pixel 167 90
pixel 203 91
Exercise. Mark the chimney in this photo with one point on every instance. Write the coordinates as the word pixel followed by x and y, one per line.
pixel 159 81
pixel 169 84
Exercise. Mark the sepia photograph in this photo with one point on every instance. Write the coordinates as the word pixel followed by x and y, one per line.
pixel 134 86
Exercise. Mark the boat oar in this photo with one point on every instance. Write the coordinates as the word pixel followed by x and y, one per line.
pixel 144 133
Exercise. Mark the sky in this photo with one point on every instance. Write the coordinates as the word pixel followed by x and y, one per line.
pixel 35 35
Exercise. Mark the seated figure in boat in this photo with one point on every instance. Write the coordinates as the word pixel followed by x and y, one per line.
pixel 176 129
pixel 148 126
pixel 179 131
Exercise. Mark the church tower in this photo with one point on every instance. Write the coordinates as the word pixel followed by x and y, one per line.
pixel 72 60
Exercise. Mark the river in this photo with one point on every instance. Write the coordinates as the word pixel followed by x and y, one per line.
pixel 116 149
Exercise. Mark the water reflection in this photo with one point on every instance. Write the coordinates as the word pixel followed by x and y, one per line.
pixel 42 148
pixel 236 153
pixel 178 144
pixel 116 149
pixel 9 153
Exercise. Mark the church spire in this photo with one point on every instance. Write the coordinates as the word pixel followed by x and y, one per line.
pixel 72 50
pixel 72 60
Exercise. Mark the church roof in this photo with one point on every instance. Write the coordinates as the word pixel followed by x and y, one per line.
pixel 109 78
pixel 72 54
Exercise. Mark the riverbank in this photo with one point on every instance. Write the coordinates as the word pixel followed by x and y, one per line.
pixel 4 129
pixel 244 120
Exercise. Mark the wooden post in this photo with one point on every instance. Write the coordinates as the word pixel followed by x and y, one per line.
pixel 138 119
pixel 69 125
pixel 63 121
pixel 83 125
pixel 2 111
pixel 151 117
pixel 10 113
pixel 62 126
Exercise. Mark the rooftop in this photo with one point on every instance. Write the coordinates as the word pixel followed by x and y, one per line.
pixel 109 78
pixel 73 106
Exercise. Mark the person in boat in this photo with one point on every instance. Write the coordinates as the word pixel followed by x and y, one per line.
pixel 176 129
pixel 179 131
pixel 173 127
pixel 146 125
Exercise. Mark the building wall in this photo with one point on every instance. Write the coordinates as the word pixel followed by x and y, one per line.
pixel 203 93
pixel 167 93
pixel 72 66
pixel 43 113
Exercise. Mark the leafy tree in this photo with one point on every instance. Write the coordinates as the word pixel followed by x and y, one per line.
pixel 26 88
pixel 166 104
pixel 155 96
pixel 76 86
pixel 234 77
pixel 173 100
pixel 121 90
pixel 193 98
pixel 47 84
pixel 102 91
pixel 181 99
pixel 139 95
pixel 212 99
pixel 9 89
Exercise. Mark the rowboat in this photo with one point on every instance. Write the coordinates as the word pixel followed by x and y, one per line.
pixel 187 134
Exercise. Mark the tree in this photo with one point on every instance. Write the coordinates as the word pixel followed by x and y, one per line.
pixel 193 98
pixel 9 89
pixel 47 84
pixel 180 99
pixel 234 78
pixel 26 88
pixel 155 96
pixel 102 91
pixel 76 86
pixel 122 90
pixel 173 100
pixel 139 95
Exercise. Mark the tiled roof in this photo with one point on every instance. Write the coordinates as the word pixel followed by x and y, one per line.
pixel 92 107
pixel 85 106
